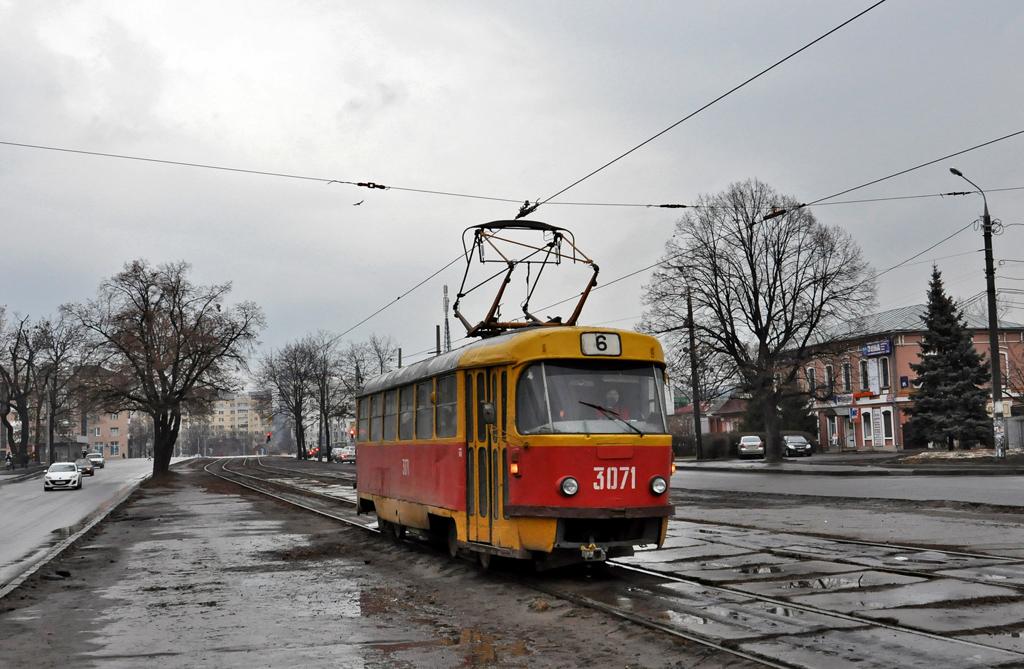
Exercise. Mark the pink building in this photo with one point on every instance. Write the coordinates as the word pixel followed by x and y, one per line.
pixel 108 433
pixel 865 384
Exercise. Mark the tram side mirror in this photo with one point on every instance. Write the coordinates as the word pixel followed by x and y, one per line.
pixel 489 414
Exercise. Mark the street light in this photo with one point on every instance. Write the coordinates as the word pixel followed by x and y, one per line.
pixel 993 324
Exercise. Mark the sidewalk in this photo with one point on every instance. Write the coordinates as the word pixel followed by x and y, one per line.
pixel 19 474
pixel 905 463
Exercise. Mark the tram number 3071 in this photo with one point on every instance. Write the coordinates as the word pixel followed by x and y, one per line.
pixel 615 478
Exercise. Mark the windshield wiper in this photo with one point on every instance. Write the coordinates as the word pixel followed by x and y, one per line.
pixel 613 414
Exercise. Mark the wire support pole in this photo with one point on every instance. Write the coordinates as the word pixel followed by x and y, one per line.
pixel 998 420
pixel 698 441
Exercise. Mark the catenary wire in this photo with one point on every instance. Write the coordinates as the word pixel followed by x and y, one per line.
pixel 917 167
pixel 455 260
pixel 709 104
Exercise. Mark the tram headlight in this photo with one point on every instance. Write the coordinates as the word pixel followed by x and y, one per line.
pixel 659 485
pixel 569 486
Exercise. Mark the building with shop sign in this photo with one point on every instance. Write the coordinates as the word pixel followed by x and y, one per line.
pixel 863 385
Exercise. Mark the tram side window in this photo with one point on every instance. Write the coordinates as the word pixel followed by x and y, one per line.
pixel 375 418
pixel 424 410
pixel 447 406
pixel 390 414
pixel 363 412
pixel 405 413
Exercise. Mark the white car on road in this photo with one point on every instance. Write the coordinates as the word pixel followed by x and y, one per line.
pixel 62 475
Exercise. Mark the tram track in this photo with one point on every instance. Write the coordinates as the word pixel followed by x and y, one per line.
pixel 656 586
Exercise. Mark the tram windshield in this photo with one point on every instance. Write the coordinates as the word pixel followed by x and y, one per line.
pixel 590 397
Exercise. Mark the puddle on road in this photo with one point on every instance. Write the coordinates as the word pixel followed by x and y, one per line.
pixel 921 559
pixel 759 569
pixel 824 584
pixel 478 649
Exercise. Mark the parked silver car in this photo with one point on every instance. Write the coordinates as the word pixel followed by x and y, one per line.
pixel 751 445
pixel 796 445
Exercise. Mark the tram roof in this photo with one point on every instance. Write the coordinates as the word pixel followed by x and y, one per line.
pixel 448 362
pixel 440 364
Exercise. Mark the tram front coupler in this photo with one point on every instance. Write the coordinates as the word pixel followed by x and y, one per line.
pixel 593 553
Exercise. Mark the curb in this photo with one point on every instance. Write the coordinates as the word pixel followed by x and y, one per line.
pixel 15 478
pixel 57 550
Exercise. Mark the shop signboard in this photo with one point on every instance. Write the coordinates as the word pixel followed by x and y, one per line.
pixel 874 348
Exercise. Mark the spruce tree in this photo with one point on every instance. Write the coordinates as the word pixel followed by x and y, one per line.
pixel 950 403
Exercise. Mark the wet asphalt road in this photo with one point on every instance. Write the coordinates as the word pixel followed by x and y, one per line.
pixel 195 573
pixel 32 521
pixel 188 578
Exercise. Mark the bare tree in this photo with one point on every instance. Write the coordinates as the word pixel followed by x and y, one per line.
pixel 63 353
pixel 165 342
pixel 978 305
pixel 19 368
pixel 333 397
pixel 384 351
pixel 289 374
pixel 357 365
pixel 765 292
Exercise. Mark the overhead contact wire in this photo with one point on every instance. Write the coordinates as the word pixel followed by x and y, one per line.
pixel 719 98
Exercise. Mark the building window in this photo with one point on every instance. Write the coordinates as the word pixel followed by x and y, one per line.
pixel 115 432
pixel 115 416
pixel 865 428
pixel 865 382
pixel 883 364
pixel 811 385
pixel 97 431
pixel 829 379
pixel 887 424
pixel 115 449
pixel 847 378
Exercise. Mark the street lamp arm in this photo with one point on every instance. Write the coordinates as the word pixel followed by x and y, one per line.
pixel 976 186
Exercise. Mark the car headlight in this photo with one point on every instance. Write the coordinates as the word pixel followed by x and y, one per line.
pixel 569 486
pixel 659 485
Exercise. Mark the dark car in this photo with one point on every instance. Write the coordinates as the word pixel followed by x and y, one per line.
pixel 85 466
pixel 796 445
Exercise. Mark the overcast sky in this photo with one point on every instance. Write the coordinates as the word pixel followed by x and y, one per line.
pixel 511 100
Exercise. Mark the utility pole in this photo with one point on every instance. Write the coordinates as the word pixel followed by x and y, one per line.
pixel 998 426
pixel 694 379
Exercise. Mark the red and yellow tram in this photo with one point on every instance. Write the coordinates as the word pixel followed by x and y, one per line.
pixel 546 443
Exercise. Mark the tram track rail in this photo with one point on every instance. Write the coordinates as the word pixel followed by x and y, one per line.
pixel 343 511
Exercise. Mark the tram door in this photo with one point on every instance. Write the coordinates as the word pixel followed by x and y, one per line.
pixel 484 485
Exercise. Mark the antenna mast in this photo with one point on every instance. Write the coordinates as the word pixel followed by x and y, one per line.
pixel 447 332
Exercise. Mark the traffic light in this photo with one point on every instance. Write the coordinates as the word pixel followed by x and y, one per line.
pixel 268 437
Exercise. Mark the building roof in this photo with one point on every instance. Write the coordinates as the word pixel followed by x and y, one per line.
pixel 908 319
